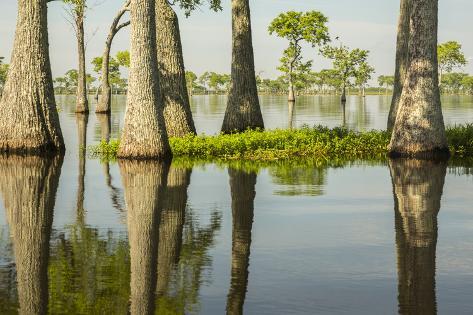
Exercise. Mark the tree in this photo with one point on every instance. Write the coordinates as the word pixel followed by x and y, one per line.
pixel 387 81
pixel 123 58
pixel 177 111
pixel 450 56
pixel 243 109
pixel 3 74
pixel 191 79
pixel 144 134
pixel 113 73
pixel 297 27
pixel 467 84
pixel 402 59
pixel 29 122
pixel 362 76
pixel 76 10
pixel 453 82
pixel 419 129
pixel 346 62
pixel 103 106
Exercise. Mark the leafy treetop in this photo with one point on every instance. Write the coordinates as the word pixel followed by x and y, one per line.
pixel 450 56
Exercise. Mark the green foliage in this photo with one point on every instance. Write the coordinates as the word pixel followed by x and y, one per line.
pixel 3 73
pixel 346 62
pixel 450 56
pixel 453 82
pixel 190 5
pixel 319 143
pixel 386 80
pixel 297 27
pixel 123 58
pixel 363 74
pixel 215 82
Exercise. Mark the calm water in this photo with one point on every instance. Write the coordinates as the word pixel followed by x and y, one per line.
pixel 81 237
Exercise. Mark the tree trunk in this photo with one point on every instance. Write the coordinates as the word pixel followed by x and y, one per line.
pixel 291 106
pixel 29 122
pixel 243 195
pixel 177 110
pixel 145 185
pixel 344 94
pixel 82 102
pixel 402 59
pixel 291 97
pixel 105 101
pixel 28 186
pixel 144 133
pixel 172 225
pixel 419 130
pixel 243 109
pixel 82 121
pixel 417 188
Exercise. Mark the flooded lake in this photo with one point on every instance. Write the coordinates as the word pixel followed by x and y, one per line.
pixel 78 236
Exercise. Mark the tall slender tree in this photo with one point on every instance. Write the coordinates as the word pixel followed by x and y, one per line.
pixel 177 111
pixel 144 135
pixel 76 10
pixel 402 59
pixel 29 122
pixel 419 130
pixel 243 108
pixel 103 105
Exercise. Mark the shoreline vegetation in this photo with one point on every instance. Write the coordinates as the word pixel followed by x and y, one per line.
pixel 311 143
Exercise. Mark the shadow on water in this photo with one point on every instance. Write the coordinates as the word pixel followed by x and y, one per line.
pixel 417 188
pixel 28 186
pixel 242 186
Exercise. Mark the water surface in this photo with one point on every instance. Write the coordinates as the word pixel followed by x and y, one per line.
pixel 78 236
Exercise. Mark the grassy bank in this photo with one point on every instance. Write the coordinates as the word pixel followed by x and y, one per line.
pixel 318 143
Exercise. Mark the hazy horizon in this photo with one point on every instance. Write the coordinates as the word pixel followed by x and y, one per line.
pixel 206 35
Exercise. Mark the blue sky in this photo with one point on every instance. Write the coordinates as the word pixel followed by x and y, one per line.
pixel 206 36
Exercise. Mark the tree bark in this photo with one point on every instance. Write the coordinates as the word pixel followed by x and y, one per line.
pixel 144 134
pixel 82 121
pixel 145 185
pixel 29 122
pixel 172 225
pixel 28 186
pixel 419 130
pixel 82 102
pixel 243 192
pixel 402 59
pixel 243 109
pixel 177 110
pixel 417 188
pixel 104 103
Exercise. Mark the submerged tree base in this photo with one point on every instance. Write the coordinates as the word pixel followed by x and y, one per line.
pixel 438 154
pixel 315 143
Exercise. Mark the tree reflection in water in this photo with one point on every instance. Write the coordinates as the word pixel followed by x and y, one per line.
pixel 417 187
pixel 243 193
pixel 28 186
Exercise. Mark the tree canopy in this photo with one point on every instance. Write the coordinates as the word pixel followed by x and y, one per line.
pixel 450 56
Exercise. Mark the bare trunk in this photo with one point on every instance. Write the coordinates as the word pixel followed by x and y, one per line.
pixel 82 102
pixel 417 188
pixel 243 195
pixel 29 122
pixel 105 101
pixel 172 225
pixel 144 134
pixel 243 108
pixel 28 186
pixel 402 59
pixel 145 185
pixel 177 110
pixel 82 121
pixel 419 130
pixel 291 106
pixel 291 97
pixel 343 99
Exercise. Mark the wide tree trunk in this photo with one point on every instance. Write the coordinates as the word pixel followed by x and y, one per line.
pixel 172 225
pixel 82 105
pixel 419 130
pixel 28 186
pixel 243 108
pixel 29 122
pixel 292 96
pixel 145 185
pixel 103 106
pixel 177 110
pixel 402 59
pixel 417 188
pixel 144 134
pixel 243 192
